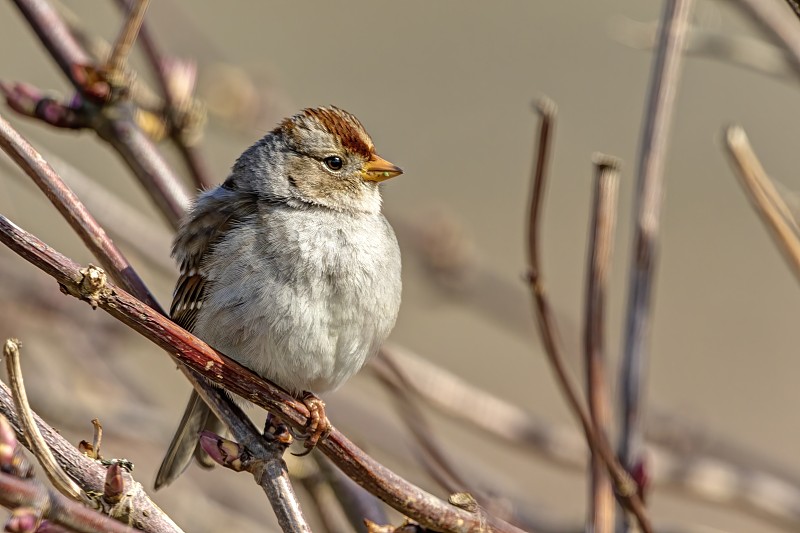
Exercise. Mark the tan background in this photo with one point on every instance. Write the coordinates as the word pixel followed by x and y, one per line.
pixel 445 89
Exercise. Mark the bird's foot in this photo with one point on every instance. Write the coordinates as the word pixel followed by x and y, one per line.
pixel 318 425
pixel 275 429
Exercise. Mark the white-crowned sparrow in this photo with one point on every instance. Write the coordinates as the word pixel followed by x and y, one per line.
pixel 289 267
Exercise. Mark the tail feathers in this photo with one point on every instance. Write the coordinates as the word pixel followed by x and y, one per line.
pixel 196 417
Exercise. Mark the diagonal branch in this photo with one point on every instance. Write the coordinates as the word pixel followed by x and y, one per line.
pixel 765 199
pixel 222 371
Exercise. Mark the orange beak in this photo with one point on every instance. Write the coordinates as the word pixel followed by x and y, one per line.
pixel 379 169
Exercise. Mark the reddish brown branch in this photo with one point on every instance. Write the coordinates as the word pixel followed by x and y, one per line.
pixel 201 358
pixel 626 489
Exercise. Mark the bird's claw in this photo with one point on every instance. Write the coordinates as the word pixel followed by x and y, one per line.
pixel 318 425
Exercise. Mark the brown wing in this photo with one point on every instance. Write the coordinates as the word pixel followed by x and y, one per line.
pixel 215 214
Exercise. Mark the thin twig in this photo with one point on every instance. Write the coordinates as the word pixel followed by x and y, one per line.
pixel 440 467
pixel 127 36
pixel 649 190
pixel 191 156
pixel 196 355
pixel 795 5
pixel 625 486
pixel 601 246
pixel 765 199
pixel 751 53
pixel 60 480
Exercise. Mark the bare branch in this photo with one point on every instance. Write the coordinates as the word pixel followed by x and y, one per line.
pixel 764 198
pixel 625 486
pixel 72 210
pixel 60 480
pixel 90 475
pixel 650 170
pixel 264 460
pixel 114 122
pixel 601 246
pixel 127 36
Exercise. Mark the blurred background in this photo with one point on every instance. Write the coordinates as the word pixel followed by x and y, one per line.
pixel 445 89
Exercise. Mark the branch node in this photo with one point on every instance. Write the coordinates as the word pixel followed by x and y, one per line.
pixel 464 500
pixel 93 286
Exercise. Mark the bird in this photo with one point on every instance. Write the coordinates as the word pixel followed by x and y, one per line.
pixel 289 266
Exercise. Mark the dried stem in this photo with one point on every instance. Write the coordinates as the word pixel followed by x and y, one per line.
pixel 649 191
pixel 625 486
pixel 201 358
pixel 89 474
pixel 765 199
pixel 60 480
pixel 601 246
pixel 127 36
pixel 778 23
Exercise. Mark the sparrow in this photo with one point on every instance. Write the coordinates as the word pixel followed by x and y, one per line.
pixel 289 267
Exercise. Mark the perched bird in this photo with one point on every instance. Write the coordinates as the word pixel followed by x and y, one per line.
pixel 289 267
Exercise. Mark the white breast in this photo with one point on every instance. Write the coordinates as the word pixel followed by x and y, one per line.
pixel 305 302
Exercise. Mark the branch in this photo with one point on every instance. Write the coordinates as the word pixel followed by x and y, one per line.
pixel 262 458
pixel 18 493
pixel 181 111
pixel 71 208
pixel 112 121
pixel 601 246
pixel 63 483
pixel 599 445
pixel 127 36
pixel 649 185
pixel 89 474
pixel 219 369
pixel 764 198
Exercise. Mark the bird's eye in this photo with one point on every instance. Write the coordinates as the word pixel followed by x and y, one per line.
pixel 333 162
